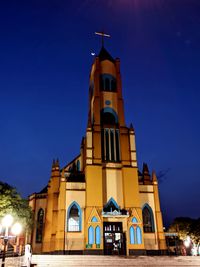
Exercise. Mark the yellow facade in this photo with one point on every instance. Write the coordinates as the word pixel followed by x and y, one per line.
pixel 100 203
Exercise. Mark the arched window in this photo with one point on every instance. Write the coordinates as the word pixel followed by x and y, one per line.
pixel 148 222
pixel 110 143
pixel 74 218
pixel 111 206
pixel 39 230
pixel 90 235
pixel 108 83
pixel 98 235
pixel 138 235
pixel 108 118
pixel 117 145
pixel 107 147
pixel 94 219
pixel 134 220
pixel 132 235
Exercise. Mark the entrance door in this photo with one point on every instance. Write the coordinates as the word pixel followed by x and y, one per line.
pixel 114 242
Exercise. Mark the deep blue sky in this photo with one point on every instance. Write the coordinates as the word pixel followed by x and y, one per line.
pixel 45 59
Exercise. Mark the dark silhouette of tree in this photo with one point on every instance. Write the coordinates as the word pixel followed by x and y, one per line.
pixel 195 231
pixel 186 226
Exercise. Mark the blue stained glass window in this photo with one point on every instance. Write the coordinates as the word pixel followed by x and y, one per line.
pixel 132 235
pixel 94 219
pixel 91 235
pixel 138 235
pixel 98 235
pixel 134 220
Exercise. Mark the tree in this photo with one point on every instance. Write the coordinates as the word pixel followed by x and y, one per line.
pixel 195 231
pixel 185 226
pixel 12 203
pixel 181 225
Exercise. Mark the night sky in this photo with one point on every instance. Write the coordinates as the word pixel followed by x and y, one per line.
pixel 45 60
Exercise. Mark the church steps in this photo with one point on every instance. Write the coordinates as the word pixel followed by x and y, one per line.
pixel 87 260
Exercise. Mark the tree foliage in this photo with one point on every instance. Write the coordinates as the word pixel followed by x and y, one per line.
pixel 186 226
pixel 12 203
pixel 195 231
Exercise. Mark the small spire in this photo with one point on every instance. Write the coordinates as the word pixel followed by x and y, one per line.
pixel 145 168
pixel 53 167
pixel 154 177
pixel 63 175
pixel 53 163
pixel 55 171
pixel 131 127
pixel 57 163
pixel 145 174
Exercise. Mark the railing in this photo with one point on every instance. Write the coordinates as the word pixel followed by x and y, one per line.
pixel 14 261
pixel 115 213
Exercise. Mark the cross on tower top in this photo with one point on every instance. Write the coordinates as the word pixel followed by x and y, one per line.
pixel 102 34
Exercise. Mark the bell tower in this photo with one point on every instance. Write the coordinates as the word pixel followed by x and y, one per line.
pixel 111 171
pixel 105 90
pixel 106 109
pixel 110 144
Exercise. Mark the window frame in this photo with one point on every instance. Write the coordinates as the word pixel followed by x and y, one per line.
pixel 39 227
pixel 79 216
pixel 148 228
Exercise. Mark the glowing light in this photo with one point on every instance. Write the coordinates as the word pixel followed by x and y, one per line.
pixel 16 229
pixel 7 221
pixel 187 242
pixel 194 250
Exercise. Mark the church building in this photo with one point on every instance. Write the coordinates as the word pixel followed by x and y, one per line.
pixel 100 203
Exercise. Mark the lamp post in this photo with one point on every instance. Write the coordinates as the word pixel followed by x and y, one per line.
pixel 6 223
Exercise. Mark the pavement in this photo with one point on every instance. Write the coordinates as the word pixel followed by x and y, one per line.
pixel 90 260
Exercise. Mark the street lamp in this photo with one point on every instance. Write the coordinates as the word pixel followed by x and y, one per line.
pixel 187 242
pixel 16 229
pixel 6 223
